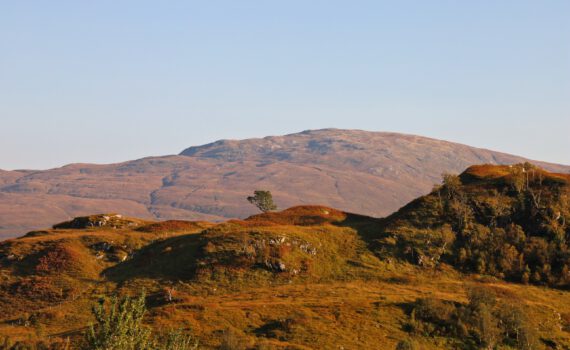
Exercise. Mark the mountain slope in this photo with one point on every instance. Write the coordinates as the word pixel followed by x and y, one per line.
pixel 372 173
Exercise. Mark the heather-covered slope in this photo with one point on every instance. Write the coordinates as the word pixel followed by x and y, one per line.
pixel 310 277
pixel 372 173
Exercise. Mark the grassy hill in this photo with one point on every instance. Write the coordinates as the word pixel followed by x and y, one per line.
pixel 434 275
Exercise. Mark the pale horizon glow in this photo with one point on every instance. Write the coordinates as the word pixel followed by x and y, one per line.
pixel 108 81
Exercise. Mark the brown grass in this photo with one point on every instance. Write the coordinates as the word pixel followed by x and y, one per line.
pixel 347 297
pixel 494 172
pixel 175 226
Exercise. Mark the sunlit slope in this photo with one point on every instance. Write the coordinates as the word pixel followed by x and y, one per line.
pixel 309 277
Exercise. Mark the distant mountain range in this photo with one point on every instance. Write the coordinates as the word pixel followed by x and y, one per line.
pixel 372 173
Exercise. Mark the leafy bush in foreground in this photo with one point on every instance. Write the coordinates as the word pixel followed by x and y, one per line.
pixel 119 326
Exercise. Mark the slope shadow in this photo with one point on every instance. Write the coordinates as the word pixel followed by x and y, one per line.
pixel 368 228
pixel 172 258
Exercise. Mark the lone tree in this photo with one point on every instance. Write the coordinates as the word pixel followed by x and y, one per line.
pixel 263 200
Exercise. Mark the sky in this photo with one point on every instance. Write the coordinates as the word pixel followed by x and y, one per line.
pixel 108 81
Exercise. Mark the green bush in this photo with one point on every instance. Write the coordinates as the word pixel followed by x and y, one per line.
pixel 405 345
pixel 119 326
pixel 263 200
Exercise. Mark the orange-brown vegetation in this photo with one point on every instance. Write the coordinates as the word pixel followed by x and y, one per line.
pixel 306 215
pixel 174 226
pixel 508 172
pixel 312 277
pixel 57 260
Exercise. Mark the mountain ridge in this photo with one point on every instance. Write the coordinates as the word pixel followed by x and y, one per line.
pixel 373 173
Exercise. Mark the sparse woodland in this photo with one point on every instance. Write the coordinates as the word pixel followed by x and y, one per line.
pixel 509 222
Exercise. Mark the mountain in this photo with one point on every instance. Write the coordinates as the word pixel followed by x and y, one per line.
pixel 372 173
pixel 430 276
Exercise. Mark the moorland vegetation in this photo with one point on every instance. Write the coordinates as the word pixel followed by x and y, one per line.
pixel 481 262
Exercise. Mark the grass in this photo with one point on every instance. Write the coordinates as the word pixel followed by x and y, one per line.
pixel 309 277
pixel 488 172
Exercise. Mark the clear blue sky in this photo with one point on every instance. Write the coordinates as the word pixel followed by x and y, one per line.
pixel 105 81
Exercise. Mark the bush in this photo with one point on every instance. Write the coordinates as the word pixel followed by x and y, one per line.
pixel 405 345
pixel 231 341
pixel 177 341
pixel 484 320
pixel 119 326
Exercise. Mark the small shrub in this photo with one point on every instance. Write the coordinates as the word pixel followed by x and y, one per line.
pixel 231 341
pixel 119 327
pixel 177 340
pixel 484 320
pixel 54 261
pixel 439 315
pixel 405 345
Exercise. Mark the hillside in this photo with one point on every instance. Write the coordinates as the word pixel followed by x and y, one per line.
pixel 313 277
pixel 512 222
pixel 372 173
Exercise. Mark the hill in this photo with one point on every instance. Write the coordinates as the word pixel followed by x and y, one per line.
pixel 313 277
pixel 512 222
pixel 372 173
